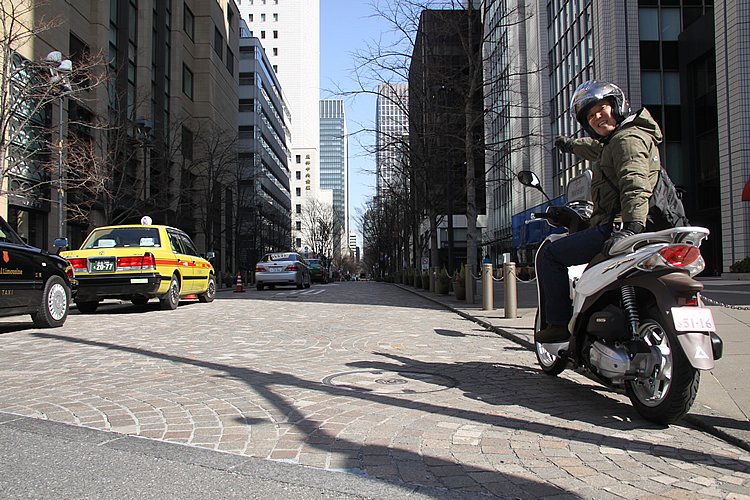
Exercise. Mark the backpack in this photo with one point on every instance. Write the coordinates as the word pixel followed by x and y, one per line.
pixel 665 208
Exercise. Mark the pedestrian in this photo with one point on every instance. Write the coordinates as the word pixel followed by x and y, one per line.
pixel 624 147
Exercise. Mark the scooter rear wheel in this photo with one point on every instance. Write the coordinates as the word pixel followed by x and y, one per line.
pixel 551 364
pixel 668 394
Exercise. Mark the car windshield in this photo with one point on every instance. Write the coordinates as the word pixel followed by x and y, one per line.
pixel 7 235
pixel 277 257
pixel 313 262
pixel 121 237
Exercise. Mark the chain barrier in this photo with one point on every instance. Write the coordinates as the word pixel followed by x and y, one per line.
pixel 722 304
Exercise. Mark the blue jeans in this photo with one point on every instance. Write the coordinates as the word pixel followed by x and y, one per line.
pixel 552 269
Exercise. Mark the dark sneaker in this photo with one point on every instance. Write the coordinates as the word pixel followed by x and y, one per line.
pixel 552 334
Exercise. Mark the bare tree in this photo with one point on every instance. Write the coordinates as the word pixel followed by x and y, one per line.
pixel 389 59
pixel 28 88
pixel 321 228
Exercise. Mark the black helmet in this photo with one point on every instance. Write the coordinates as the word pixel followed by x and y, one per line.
pixel 591 92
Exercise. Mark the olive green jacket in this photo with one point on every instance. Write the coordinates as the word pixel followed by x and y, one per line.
pixel 629 157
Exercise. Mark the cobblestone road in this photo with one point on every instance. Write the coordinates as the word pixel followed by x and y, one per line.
pixel 358 377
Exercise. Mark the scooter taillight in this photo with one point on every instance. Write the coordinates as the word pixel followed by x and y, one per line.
pixel 684 257
pixel 680 255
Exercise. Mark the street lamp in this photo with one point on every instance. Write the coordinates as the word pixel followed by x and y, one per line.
pixel 60 70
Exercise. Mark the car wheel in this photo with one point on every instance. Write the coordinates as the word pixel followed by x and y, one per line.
pixel 210 292
pixel 87 307
pixel 170 301
pixel 53 310
pixel 259 287
pixel 139 300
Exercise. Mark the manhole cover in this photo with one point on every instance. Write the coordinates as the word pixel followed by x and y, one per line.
pixel 390 382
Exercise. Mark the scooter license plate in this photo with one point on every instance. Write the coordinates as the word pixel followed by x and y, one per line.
pixel 693 319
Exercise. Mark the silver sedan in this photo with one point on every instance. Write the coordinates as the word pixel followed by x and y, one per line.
pixel 282 268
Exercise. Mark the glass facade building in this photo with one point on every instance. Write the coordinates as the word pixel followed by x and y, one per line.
pixel 334 157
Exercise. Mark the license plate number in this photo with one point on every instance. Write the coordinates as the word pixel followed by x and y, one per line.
pixel 275 269
pixel 102 265
pixel 693 319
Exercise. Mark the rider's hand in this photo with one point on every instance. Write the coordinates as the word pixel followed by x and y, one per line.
pixel 628 229
pixel 564 144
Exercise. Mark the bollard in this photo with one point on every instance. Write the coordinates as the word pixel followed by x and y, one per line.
pixel 509 278
pixel 487 288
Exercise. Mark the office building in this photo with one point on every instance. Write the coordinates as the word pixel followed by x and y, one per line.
pixel 264 192
pixel 681 60
pixel 172 96
pixel 391 136
pixel 334 159
pixel 290 32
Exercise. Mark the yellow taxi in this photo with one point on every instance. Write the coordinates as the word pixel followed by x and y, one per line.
pixel 138 262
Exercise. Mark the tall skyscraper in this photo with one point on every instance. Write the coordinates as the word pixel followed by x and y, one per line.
pixel 392 132
pixel 334 158
pixel 290 32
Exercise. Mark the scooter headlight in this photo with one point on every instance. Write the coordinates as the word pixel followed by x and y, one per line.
pixel 684 257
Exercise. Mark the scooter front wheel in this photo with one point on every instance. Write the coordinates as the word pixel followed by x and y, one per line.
pixel 667 395
pixel 551 364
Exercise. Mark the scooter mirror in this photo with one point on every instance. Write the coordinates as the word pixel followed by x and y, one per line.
pixel 528 178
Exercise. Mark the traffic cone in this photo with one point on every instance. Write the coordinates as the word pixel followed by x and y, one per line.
pixel 239 287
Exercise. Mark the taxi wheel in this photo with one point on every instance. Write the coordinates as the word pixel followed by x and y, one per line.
pixel 53 310
pixel 210 293
pixel 170 301
pixel 87 307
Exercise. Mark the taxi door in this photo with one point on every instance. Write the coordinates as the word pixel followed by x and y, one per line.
pixel 200 271
pixel 18 277
pixel 185 261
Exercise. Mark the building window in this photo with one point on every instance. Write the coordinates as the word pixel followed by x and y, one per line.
pixel 262 18
pixel 275 51
pixel 230 61
pixel 218 43
pixel 246 104
pixel 298 159
pixel 250 17
pixel 275 34
pixel 298 226
pixel 298 208
pixel 187 81
pixel 275 68
pixel 275 17
pixel 263 34
pixel 299 191
pixel 298 175
pixel 187 143
pixel 299 242
pixel 188 21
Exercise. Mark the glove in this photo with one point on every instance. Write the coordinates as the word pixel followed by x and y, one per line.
pixel 628 229
pixel 564 144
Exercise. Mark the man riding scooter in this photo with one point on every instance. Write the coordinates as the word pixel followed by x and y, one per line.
pixel 624 146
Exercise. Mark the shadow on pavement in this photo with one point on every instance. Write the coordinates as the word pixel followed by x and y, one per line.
pixel 509 376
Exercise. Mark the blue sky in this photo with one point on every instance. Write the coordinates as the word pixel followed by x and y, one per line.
pixel 344 28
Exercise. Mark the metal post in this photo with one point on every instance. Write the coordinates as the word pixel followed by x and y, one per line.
pixel 60 185
pixel 488 298
pixel 509 278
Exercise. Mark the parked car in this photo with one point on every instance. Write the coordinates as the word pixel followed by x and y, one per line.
pixel 317 272
pixel 138 262
pixel 33 281
pixel 282 268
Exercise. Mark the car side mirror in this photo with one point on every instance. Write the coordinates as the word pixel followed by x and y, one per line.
pixel 210 255
pixel 60 243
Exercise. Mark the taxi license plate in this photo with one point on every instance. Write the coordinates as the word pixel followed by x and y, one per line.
pixel 693 319
pixel 102 265
pixel 275 269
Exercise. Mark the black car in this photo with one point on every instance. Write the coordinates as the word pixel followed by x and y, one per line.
pixel 33 281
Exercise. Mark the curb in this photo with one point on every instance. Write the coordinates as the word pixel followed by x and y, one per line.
pixel 696 420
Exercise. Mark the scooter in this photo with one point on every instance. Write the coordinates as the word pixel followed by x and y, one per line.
pixel 639 324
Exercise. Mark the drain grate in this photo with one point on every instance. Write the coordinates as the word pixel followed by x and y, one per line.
pixel 390 382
